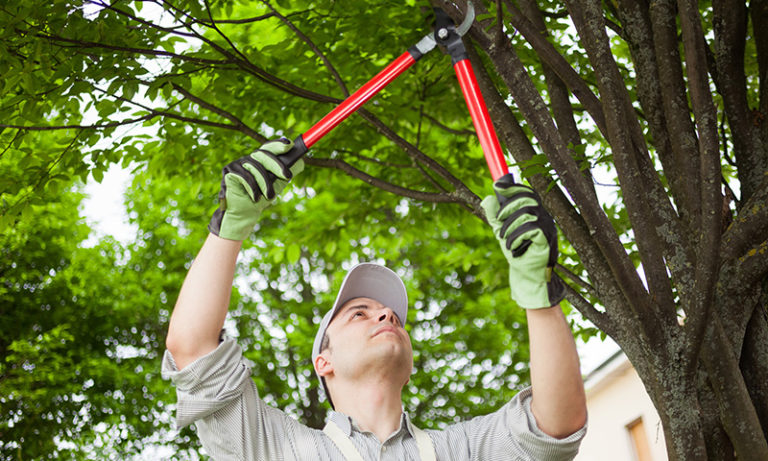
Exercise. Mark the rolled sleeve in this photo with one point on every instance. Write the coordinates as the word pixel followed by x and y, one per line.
pixel 216 393
pixel 208 384
pixel 508 433
pixel 536 443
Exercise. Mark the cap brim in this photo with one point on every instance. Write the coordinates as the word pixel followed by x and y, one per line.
pixel 376 282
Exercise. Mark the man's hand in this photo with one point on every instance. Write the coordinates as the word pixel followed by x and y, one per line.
pixel 247 187
pixel 528 239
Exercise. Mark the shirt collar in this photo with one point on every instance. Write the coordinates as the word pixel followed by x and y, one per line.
pixel 347 424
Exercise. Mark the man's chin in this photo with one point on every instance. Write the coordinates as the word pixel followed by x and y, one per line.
pixel 394 353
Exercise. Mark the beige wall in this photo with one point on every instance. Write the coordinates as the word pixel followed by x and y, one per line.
pixel 615 398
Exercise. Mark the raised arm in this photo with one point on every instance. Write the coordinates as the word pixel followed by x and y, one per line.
pixel 559 403
pixel 528 239
pixel 203 302
pixel 246 188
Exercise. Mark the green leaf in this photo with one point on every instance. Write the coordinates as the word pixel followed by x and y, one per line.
pixel 330 248
pixel 293 252
pixel 98 174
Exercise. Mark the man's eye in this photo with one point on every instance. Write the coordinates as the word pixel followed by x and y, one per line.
pixel 360 313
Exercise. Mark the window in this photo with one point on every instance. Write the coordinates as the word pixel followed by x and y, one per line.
pixel 639 438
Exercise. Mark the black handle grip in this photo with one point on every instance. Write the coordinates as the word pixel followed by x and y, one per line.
pixel 288 159
pixel 297 151
pixel 505 181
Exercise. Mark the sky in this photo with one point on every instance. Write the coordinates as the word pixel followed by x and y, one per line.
pixel 104 209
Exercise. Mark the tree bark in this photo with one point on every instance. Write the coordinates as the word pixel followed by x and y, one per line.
pixel 719 446
pixel 737 412
pixel 754 359
pixel 680 415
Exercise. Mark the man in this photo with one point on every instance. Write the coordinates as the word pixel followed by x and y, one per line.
pixel 362 354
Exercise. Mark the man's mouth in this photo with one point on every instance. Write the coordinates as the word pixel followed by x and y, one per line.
pixel 385 330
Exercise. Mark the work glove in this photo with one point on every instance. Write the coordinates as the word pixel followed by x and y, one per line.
pixel 528 239
pixel 247 187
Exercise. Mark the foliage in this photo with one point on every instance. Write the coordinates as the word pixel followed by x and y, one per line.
pixel 80 343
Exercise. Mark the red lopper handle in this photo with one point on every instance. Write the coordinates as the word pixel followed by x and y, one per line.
pixel 494 156
pixel 358 98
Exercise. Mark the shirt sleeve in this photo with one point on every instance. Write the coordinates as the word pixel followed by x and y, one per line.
pixel 511 433
pixel 216 392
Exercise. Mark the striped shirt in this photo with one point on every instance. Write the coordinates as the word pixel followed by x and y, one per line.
pixel 216 392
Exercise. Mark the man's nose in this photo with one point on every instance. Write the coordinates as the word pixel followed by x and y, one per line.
pixel 388 315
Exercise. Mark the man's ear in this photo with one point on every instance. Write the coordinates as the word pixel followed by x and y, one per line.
pixel 323 366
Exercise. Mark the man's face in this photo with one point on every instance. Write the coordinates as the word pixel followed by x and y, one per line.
pixel 366 336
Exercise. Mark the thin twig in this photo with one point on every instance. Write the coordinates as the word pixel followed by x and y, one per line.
pixel 460 132
pixel 376 182
pixel 217 110
pixel 578 280
pixel 19 132
pixel 374 160
pixel 79 127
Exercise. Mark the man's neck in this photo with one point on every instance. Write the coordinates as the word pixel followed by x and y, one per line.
pixel 376 408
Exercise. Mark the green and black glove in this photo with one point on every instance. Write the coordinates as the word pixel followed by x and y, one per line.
pixel 528 238
pixel 247 187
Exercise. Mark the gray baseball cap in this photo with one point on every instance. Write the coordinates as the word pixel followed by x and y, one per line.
pixel 368 280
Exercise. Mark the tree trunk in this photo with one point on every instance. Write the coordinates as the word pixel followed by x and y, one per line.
pixel 680 416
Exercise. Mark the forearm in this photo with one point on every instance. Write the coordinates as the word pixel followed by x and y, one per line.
pixel 203 302
pixel 559 402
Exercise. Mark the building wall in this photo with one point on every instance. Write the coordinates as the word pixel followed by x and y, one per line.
pixel 616 399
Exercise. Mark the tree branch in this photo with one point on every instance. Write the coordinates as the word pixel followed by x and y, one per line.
pixel 558 92
pixel 635 16
pixel 623 129
pixel 161 113
pixel 757 9
pixel 244 63
pixel 141 51
pixel 677 247
pixel 96 126
pixel 706 123
pixel 730 27
pixel 19 132
pixel 748 228
pixel 213 26
pixel 578 280
pixel 677 119
pixel 738 413
pixel 549 55
pixel 217 110
pixel 238 60
pixel 467 197
pixel 383 185
pixel 374 160
pixel 600 320
pixel 437 123
pixel 152 25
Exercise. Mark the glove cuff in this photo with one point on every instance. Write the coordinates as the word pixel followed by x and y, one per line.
pixel 530 294
pixel 555 290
